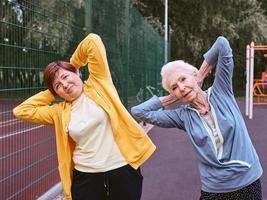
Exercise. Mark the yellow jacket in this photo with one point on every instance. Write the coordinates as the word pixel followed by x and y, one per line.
pixel 134 144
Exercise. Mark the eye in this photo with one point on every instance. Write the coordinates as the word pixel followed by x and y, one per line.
pixel 65 76
pixel 57 86
pixel 182 79
pixel 174 87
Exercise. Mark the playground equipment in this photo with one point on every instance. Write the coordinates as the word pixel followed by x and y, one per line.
pixel 255 88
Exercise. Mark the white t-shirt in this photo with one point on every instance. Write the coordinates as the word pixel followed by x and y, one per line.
pixel 90 128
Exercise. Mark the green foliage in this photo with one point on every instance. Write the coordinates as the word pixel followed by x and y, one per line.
pixel 196 24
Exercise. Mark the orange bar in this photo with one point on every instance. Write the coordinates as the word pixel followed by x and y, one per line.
pixel 259 48
pixel 264 46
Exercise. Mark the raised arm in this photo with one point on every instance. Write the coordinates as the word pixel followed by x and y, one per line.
pixel 220 55
pixel 36 109
pixel 203 71
pixel 91 51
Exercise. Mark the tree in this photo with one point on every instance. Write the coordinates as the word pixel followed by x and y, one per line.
pixel 197 23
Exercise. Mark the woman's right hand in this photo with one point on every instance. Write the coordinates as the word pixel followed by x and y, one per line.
pixel 203 72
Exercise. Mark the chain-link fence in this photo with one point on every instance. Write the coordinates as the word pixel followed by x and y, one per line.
pixel 135 50
pixel 33 33
pixel 37 32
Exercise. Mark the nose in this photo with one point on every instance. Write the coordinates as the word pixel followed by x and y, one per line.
pixel 65 84
pixel 181 86
pixel 182 90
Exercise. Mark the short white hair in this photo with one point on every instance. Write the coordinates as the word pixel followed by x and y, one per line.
pixel 177 65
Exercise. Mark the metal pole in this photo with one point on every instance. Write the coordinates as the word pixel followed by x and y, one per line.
pixel 166 32
pixel 247 78
pixel 251 81
pixel 89 16
pixel 126 53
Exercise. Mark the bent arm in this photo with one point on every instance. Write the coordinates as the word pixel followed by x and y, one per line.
pixel 167 100
pixel 220 55
pixel 91 51
pixel 203 71
pixel 36 109
pixel 151 112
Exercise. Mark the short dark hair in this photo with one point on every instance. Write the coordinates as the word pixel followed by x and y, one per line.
pixel 51 70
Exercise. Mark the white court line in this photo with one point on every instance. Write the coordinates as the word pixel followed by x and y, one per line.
pixel 20 132
pixel 4 112
pixel 8 122
pixel 3 122
pixel 146 127
pixel 11 124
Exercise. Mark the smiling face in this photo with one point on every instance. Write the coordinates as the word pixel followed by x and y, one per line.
pixel 183 85
pixel 180 79
pixel 67 85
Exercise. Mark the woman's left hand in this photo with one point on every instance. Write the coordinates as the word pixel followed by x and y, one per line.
pixel 168 99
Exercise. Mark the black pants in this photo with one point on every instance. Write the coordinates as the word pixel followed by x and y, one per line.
pixel 124 183
pixel 250 192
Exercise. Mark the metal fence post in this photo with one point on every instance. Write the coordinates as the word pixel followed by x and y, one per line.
pixel 89 16
pixel 125 54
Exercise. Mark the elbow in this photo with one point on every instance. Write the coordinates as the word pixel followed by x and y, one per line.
pixel 221 38
pixel 224 45
pixel 135 112
pixel 16 112
pixel 223 41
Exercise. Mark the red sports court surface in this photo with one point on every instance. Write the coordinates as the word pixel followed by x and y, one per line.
pixel 27 158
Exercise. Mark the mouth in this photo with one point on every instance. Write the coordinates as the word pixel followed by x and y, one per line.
pixel 187 93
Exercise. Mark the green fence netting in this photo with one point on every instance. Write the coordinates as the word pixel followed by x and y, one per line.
pixel 33 33
pixel 135 50
pixel 37 32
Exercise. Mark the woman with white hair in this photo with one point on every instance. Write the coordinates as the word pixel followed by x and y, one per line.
pixel 229 165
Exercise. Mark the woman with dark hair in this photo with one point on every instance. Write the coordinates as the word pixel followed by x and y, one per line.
pixel 100 146
pixel 229 165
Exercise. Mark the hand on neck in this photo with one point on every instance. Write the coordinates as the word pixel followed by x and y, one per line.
pixel 201 104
